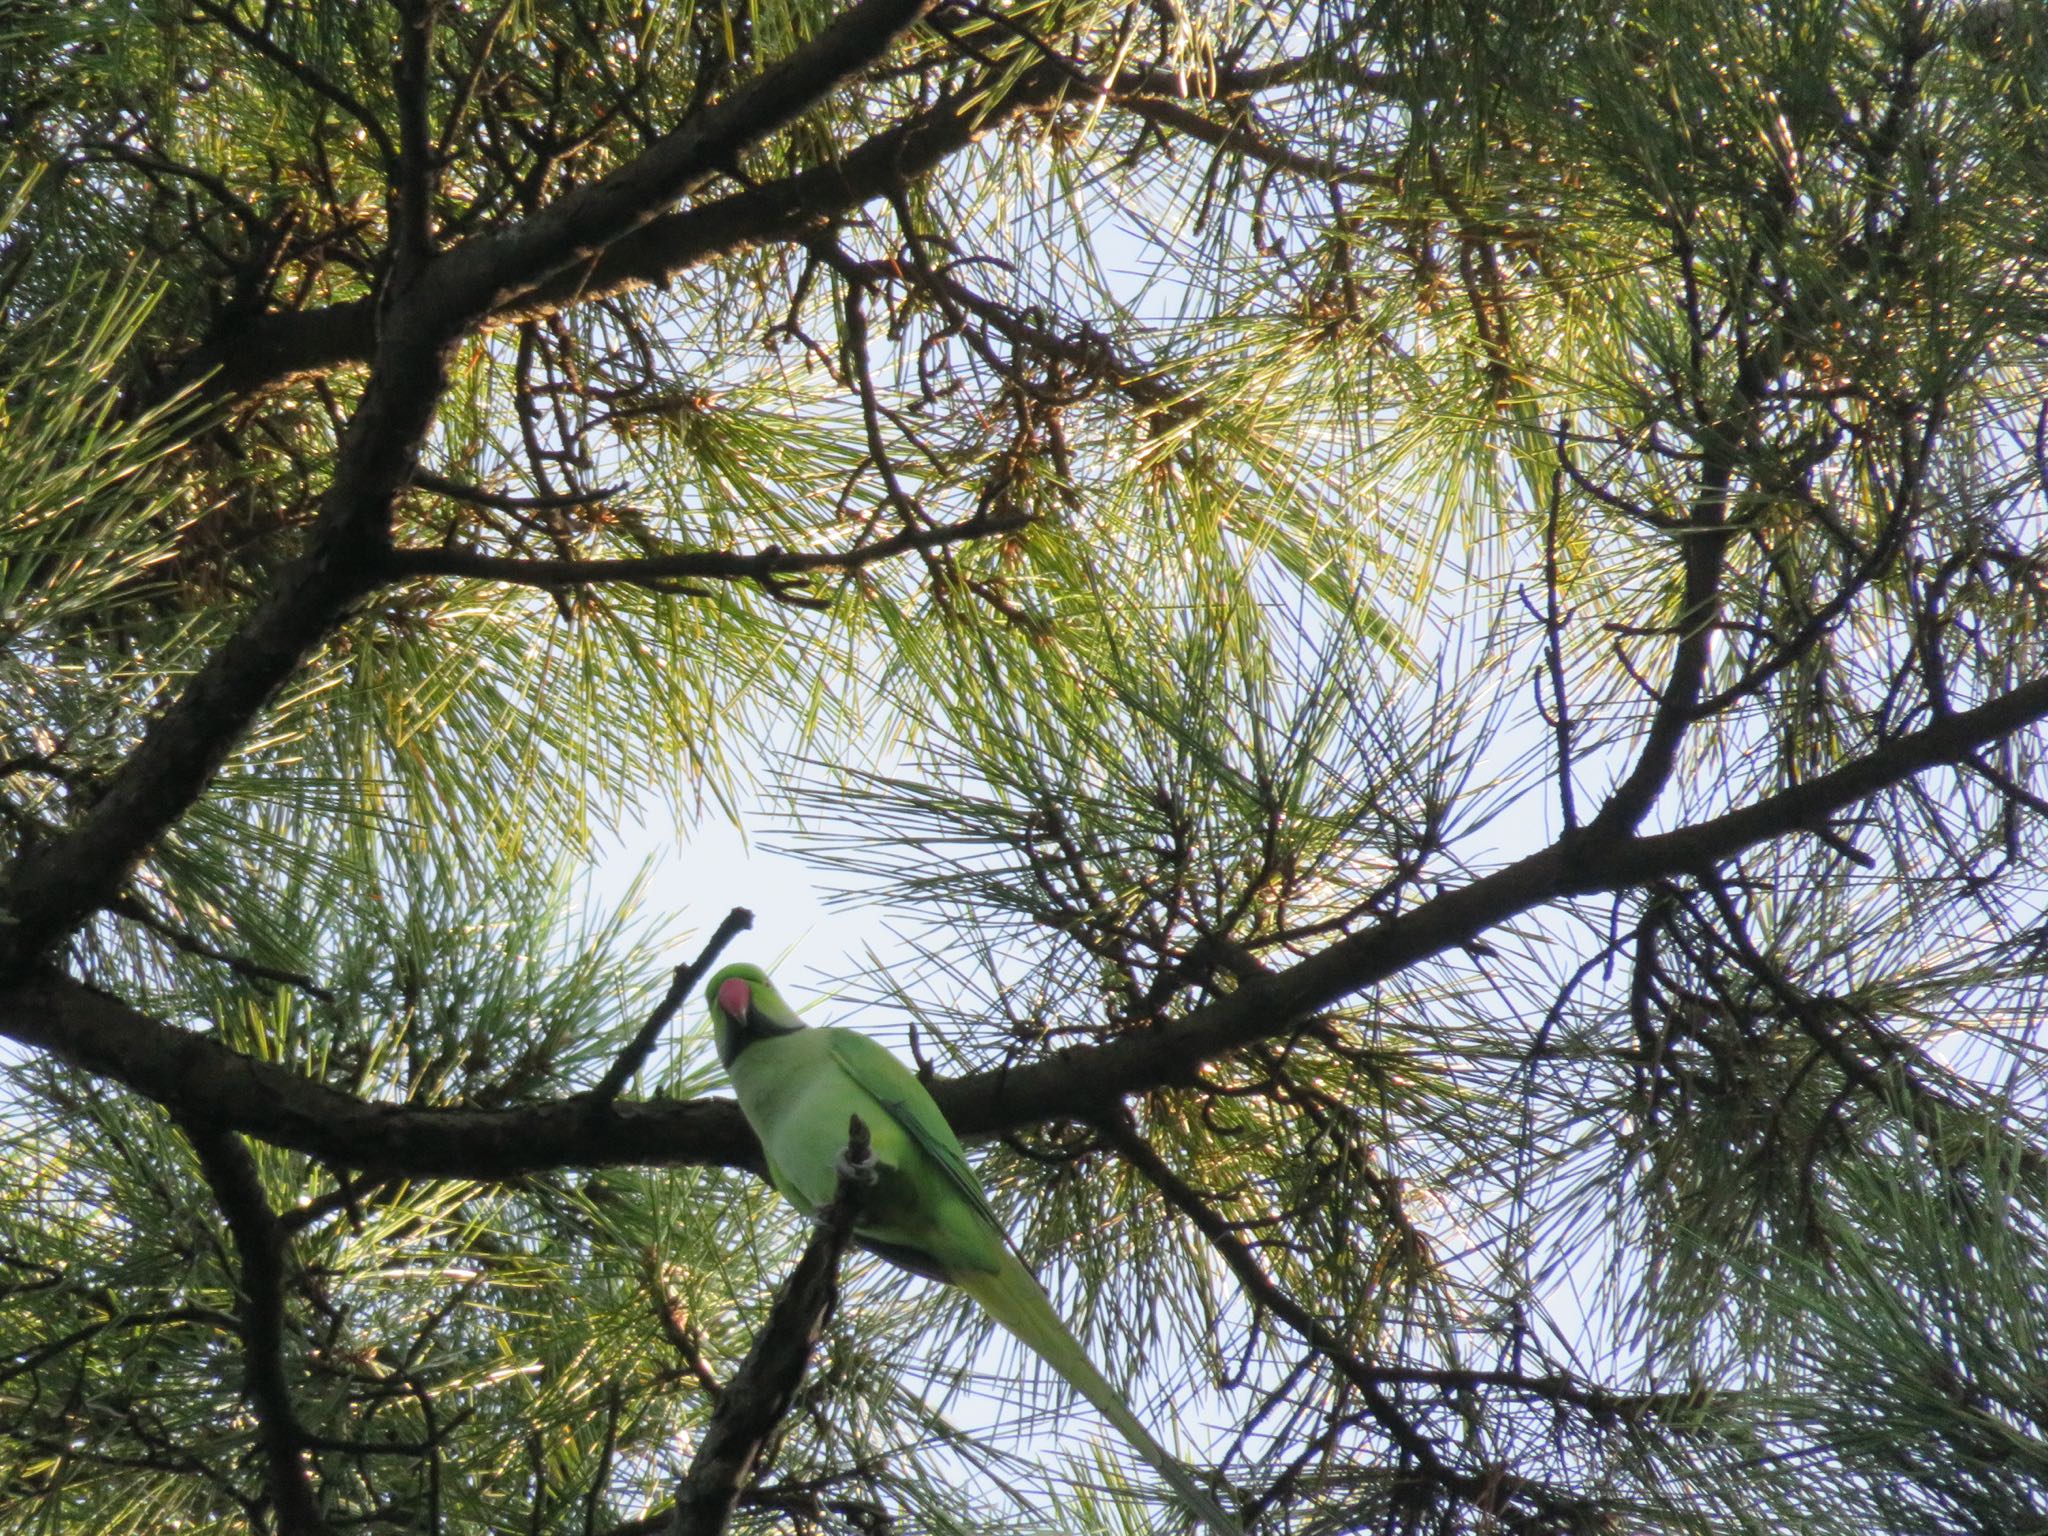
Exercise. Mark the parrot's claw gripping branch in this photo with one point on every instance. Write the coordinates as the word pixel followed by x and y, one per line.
pixel 856 1165
pixel 759 1395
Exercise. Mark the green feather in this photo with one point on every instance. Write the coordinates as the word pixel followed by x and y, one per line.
pixel 1014 1298
pixel 925 1210
pixel 897 1090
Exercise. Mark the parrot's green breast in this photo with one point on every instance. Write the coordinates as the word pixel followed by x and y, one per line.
pixel 798 1092
pixel 925 1210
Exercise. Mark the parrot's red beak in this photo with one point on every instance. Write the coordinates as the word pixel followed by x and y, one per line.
pixel 735 997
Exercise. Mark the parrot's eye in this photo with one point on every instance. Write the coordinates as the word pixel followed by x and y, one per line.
pixel 736 997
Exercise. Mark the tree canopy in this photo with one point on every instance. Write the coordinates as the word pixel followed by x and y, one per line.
pixel 1429 617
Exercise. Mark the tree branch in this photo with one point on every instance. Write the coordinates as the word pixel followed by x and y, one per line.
pixel 1490 1488
pixel 416 172
pixel 490 273
pixel 262 44
pixel 1414 1446
pixel 193 1075
pixel 759 1395
pixel 52 889
pixel 1703 548
pixel 137 911
pixel 269 349
pixel 621 1071
pixel 260 1246
pixel 199 1078
pixel 660 573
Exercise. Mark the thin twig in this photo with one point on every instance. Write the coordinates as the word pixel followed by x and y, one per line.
pixel 661 573
pixel 562 501
pixel 685 981
pixel 1553 627
pixel 137 911
pixel 313 79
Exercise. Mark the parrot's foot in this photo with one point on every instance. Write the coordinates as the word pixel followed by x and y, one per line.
pixel 856 1170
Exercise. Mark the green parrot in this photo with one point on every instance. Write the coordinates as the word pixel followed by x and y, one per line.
pixel 925 1210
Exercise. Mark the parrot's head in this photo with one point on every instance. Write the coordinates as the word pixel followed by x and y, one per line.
pixel 744 1007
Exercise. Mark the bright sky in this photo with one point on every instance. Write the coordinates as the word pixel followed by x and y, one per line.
pixel 701 867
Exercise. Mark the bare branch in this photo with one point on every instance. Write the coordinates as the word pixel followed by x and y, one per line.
pixel 260 1246
pixel 660 573
pixel 636 1052
pixel 759 1395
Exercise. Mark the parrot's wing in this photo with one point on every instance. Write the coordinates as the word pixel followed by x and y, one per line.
pixel 875 1069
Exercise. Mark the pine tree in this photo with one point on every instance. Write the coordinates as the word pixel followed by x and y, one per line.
pixel 1430 618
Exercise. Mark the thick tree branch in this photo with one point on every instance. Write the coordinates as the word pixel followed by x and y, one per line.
pixel 759 1395
pixel 416 171
pixel 49 892
pixel 260 1249
pixel 269 349
pixel 52 889
pixel 1577 865
pixel 490 273
pixel 193 1075
pixel 199 1078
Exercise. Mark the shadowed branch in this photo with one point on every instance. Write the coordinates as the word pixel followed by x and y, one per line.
pixel 757 1398
pixel 260 1244
pixel 190 1073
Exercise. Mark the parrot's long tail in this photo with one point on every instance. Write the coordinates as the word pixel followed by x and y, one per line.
pixel 1014 1298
